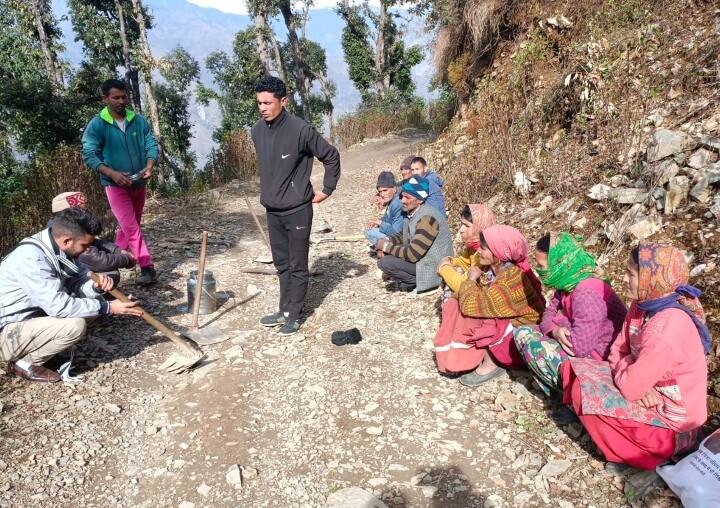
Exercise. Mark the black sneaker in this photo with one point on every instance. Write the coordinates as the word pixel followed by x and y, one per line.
pixel 289 327
pixel 276 319
pixel 147 276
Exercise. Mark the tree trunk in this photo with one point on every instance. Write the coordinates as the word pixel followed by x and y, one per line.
pixel 131 76
pixel 260 18
pixel 52 68
pixel 277 57
pixel 380 50
pixel 298 74
pixel 149 64
pixel 327 92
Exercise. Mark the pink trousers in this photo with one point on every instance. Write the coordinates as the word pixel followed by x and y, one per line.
pixel 461 342
pixel 127 206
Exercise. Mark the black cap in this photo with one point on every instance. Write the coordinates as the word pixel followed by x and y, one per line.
pixel 386 180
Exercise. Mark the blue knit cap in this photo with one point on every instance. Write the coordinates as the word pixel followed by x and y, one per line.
pixel 416 186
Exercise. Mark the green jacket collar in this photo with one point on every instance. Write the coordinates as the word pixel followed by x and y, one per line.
pixel 105 115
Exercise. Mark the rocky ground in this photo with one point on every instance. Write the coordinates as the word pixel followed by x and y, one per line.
pixel 271 421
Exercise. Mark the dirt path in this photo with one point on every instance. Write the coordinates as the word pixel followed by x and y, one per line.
pixel 301 417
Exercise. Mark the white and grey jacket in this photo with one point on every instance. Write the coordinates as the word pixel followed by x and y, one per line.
pixel 38 279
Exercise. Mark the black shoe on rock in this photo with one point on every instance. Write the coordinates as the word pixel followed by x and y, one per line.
pixel 147 276
pixel 351 336
pixel 272 320
pixel 290 327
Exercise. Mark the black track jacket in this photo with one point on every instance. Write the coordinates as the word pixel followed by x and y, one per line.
pixel 285 149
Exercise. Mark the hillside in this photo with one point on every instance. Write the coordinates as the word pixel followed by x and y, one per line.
pixel 601 118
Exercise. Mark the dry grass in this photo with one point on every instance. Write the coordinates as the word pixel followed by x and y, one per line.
pixel 234 158
pixel 470 34
pixel 374 123
pixel 60 171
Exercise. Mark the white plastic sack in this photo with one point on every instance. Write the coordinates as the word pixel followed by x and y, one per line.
pixel 696 478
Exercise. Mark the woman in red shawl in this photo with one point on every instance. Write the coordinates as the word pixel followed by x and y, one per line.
pixel 496 305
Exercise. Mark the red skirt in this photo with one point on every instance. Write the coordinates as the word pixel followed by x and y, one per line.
pixel 628 442
pixel 461 342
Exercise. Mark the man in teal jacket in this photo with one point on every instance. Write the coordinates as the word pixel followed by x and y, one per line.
pixel 118 144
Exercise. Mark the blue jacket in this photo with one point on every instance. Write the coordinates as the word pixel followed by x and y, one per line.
pixel 128 152
pixel 436 198
pixel 434 177
pixel 392 220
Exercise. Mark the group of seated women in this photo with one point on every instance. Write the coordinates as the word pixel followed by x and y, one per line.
pixel 636 379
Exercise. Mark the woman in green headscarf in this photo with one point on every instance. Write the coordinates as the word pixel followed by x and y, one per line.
pixel 583 317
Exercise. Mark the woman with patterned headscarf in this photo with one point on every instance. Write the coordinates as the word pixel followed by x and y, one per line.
pixel 582 318
pixel 649 399
pixel 492 307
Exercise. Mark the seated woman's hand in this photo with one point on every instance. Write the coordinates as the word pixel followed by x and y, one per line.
pixel 444 262
pixel 474 273
pixel 651 399
pixel 562 335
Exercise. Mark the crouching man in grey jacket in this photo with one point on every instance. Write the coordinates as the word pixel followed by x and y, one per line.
pixel 45 298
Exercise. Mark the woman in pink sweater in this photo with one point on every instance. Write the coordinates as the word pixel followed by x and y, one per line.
pixel 648 400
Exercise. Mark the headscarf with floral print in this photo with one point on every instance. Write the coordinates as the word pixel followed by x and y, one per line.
pixel 663 283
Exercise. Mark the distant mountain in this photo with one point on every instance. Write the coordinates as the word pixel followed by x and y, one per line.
pixel 202 30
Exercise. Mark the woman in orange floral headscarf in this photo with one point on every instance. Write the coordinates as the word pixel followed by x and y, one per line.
pixel 648 400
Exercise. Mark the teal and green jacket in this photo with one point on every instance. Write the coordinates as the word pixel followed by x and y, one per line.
pixel 128 152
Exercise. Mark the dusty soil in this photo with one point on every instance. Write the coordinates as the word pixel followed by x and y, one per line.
pixel 301 417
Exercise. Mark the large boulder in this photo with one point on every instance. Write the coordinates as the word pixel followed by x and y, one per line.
pixel 666 142
pixel 701 190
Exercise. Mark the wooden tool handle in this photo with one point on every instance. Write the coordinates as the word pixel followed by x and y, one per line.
pixel 199 280
pixel 257 223
pixel 181 342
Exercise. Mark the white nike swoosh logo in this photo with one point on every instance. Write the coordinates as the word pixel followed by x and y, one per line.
pixel 285 156
pixel 300 227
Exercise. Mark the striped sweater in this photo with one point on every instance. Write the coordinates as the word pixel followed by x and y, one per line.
pixel 510 296
pixel 415 249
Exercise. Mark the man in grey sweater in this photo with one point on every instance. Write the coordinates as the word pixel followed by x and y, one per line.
pixel 286 146
pixel 45 298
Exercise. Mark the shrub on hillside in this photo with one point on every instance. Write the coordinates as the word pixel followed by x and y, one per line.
pixel 25 205
pixel 233 158
pixel 378 118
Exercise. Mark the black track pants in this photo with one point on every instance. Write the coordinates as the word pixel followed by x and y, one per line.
pixel 290 243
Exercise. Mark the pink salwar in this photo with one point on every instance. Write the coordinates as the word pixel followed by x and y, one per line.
pixel 461 342
pixel 626 441
pixel 127 206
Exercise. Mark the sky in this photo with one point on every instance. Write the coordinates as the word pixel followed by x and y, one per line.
pixel 238 7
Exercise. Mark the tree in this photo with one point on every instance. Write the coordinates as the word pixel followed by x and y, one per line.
pixel 306 58
pixel 381 68
pixel 295 50
pixel 262 11
pixel 47 34
pixel 147 65
pixel 180 71
pixel 31 100
pixel 234 77
pixel 106 44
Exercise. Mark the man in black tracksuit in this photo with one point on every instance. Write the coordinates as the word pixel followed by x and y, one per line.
pixel 285 147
